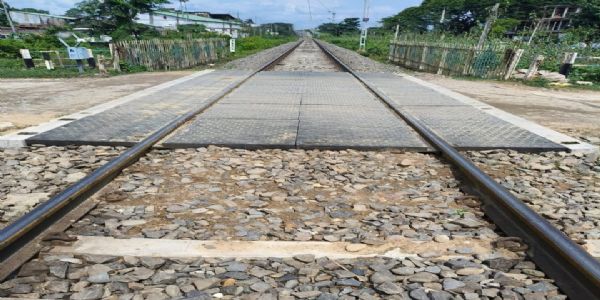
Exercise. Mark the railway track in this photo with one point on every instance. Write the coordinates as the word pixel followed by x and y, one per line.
pixel 258 223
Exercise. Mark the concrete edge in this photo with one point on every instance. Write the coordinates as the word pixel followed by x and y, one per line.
pixel 574 145
pixel 18 139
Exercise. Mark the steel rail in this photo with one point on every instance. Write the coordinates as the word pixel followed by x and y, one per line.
pixel 575 271
pixel 26 228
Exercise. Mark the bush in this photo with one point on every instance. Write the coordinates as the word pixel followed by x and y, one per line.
pixel 10 48
pixel 591 73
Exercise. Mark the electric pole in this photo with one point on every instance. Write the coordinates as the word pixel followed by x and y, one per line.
pixel 12 26
pixel 363 34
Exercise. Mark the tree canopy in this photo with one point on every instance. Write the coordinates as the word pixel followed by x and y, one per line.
pixel 463 15
pixel 116 17
pixel 348 25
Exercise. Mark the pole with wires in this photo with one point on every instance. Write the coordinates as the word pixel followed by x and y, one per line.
pixel 363 33
pixel 7 13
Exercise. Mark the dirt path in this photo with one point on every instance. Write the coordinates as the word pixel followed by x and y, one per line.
pixel 27 102
pixel 573 112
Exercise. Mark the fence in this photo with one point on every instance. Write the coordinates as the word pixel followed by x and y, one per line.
pixel 491 61
pixel 171 54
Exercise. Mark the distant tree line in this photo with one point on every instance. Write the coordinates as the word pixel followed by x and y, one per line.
pixel 463 15
pixel 348 25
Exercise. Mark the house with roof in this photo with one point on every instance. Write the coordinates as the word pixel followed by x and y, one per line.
pixel 32 20
pixel 170 19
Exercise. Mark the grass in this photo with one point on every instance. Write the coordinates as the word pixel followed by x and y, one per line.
pixel 377 45
pixel 251 45
pixel 14 67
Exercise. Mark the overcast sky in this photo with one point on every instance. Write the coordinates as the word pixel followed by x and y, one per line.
pixel 264 11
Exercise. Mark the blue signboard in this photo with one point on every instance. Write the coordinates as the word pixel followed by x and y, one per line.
pixel 77 53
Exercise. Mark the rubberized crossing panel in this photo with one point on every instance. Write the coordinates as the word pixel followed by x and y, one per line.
pixel 236 133
pixel 460 124
pixel 334 111
pixel 129 123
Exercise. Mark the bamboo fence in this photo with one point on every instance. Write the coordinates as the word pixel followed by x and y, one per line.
pixel 490 61
pixel 159 54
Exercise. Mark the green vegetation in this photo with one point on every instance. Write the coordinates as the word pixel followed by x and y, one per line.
pixel 250 45
pixel 378 44
pixel 114 17
pixel 347 26
pixel 11 65
pixel 462 16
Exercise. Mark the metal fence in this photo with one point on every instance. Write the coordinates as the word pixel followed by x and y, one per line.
pixel 159 54
pixel 491 61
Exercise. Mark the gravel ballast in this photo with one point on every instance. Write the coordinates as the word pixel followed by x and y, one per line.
pixel 257 60
pixel 32 175
pixel 364 198
pixel 358 62
pixel 562 187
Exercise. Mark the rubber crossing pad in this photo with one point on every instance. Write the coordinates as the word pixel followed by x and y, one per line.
pixel 460 124
pixel 335 112
pixel 129 123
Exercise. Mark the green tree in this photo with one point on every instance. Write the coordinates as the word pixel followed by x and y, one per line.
pixel 3 19
pixel 113 17
pixel 350 25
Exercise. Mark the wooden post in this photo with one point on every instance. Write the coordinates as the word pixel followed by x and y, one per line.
pixel 469 60
pixel 397 32
pixel 101 67
pixel 514 61
pixel 90 60
pixel 60 62
pixel 488 25
pixel 533 68
pixel 115 56
pixel 422 64
pixel 47 60
pixel 442 64
pixel 567 64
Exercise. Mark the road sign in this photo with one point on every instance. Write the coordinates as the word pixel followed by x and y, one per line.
pixel 232 45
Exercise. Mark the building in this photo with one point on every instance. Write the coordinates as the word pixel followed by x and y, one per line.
pixel 170 19
pixel 31 20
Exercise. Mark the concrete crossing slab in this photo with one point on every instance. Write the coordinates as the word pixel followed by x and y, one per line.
pixel 129 123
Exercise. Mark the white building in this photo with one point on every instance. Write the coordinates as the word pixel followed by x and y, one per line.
pixel 170 19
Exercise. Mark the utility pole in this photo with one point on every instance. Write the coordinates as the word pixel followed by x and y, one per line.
pixel 12 26
pixel 488 25
pixel 363 34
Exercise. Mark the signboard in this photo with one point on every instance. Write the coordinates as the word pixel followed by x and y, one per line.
pixel 77 53
pixel 232 45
